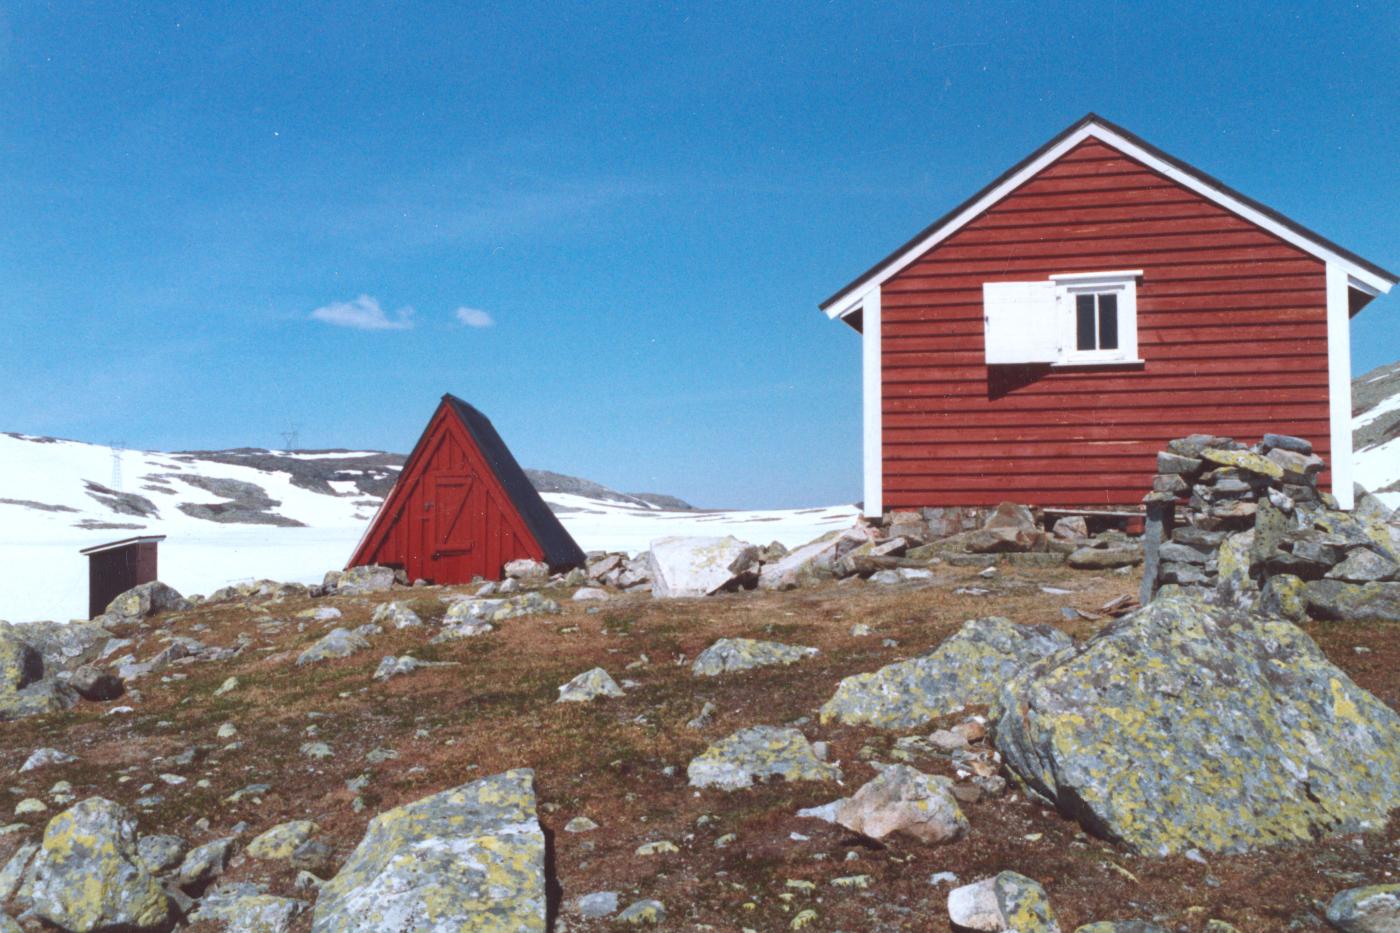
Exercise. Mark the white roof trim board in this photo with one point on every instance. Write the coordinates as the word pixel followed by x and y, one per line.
pixel 1362 275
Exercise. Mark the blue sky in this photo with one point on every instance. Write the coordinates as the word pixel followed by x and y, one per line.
pixel 636 207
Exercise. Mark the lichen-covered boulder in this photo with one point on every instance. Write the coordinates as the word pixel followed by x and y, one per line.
pixel 337 643
pixel 590 685
pixel 1128 926
pixel 742 654
pixel 967 668
pixel 698 566
pixel 279 842
pixel 1372 909
pixel 1337 601
pixel 89 876
pixel 62 645
pixel 470 858
pixel 758 753
pixel 1006 902
pixel 39 697
pixel 141 601
pixel 1186 726
pixel 1244 460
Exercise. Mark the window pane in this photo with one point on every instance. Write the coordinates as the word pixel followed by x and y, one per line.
pixel 1108 322
pixel 1084 312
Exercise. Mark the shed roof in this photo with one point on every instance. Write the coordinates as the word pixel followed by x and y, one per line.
pixel 1368 277
pixel 124 542
pixel 558 545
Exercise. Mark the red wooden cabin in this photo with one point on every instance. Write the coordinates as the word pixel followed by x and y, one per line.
pixel 1045 338
pixel 463 507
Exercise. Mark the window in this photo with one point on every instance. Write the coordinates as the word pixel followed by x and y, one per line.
pixel 1077 319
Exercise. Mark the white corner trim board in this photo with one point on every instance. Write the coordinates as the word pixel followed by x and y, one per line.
pixel 852 300
pixel 1339 380
pixel 872 397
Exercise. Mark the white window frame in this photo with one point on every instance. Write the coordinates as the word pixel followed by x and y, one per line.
pixel 1068 287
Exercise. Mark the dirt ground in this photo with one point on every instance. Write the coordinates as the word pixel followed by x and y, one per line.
pixel 622 762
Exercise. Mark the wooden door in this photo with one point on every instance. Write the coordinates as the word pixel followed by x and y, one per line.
pixel 455 519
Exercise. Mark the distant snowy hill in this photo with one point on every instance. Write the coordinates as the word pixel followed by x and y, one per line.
pixel 1375 426
pixel 240 514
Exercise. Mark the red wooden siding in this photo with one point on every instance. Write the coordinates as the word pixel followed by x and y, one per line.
pixel 448 518
pixel 1232 322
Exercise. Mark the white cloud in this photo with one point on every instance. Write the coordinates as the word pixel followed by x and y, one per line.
pixel 474 317
pixel 364 313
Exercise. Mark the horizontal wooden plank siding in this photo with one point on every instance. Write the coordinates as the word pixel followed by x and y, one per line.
pixel 1232 324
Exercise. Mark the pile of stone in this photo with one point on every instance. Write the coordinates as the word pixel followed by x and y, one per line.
pixel 1249 527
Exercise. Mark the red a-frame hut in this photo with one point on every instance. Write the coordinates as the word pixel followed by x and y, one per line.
pixel 463 507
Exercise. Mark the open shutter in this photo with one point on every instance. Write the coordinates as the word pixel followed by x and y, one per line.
pixel 1020 322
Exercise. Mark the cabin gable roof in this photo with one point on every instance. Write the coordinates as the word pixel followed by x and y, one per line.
pixel 1365 278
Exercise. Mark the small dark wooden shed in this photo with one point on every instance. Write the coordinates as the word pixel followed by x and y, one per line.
pixel 463 507
pixel 116 567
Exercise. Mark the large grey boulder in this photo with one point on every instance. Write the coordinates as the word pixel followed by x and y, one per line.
pixel 756 754
pixel 476 610
pixel 89 876
pixel 63 645
pixel 742 654
pixel 24 689
pixel 141 601
pixel 1185 725
pixel 700 566
pixel 968 668
pixel 470 858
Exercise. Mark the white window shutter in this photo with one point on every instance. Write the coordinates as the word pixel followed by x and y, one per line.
pixel 1020 322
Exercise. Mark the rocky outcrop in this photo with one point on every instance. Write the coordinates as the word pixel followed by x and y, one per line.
pixel 682 567
pixel 756 754
pixel 812 562
pixel 742 654
pixel 88 874
pixel 967 668
pixel 471 858
pixel 1185 726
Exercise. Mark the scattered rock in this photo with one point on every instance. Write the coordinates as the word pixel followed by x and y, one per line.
pixel 1364 566
pixel 1007 902
pixel 147 599
pixel 1337 601
pixel 395 615
pixel 597 905
pixel 1144 731
pixel 758 753
pixel 589 686
pixel 812 562
pixel 742 654
pixel 204 863
pixel 468 611
pixel 580 824
pixel 590 594
pixel 243 908
pixel 647 912
pixel 527 571
pixel 967 668
pixel 338 643
pixel 682 567
pixel 1373 909
pixel 95 684
pixel 88 874
pixel 43 757
pixel 900 799
pixel 279 842
pixel 470 858
pixel 1106 558
pixel 161 853
pixel 370 578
